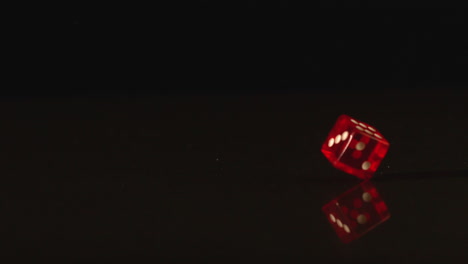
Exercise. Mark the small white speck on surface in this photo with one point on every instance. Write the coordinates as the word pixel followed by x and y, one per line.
pixel 217 159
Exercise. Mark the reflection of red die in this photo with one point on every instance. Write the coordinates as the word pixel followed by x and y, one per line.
pixel 355 147
pixel 357 211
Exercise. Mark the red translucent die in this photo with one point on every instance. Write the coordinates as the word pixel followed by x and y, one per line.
pixel 356 212
pixel 355 147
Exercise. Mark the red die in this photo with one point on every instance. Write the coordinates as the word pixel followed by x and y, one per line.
pixel 355 147
pixel 357 211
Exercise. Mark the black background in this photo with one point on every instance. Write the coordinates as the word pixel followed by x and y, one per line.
pixel 197 136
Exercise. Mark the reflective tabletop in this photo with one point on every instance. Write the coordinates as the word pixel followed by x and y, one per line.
pixel 218 178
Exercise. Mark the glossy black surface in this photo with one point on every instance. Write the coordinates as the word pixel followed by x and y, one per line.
pixel 226 177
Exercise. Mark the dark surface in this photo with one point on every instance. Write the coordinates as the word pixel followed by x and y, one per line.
pixel 198 137
pixel 227 177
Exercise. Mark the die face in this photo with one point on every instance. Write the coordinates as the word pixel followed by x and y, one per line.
pixel 337 139
pixel 339 220
pixel 361 208
pixel 362 156
pixel 355 147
